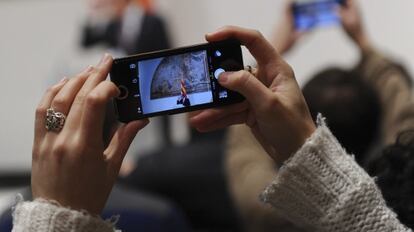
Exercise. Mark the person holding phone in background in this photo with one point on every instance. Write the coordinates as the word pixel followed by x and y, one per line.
pixel 250 170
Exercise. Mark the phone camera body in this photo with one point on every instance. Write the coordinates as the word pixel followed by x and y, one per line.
pixel 175 81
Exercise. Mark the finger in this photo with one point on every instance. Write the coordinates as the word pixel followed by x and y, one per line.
pixel 258 46
pixel 64 99
pixel 121 141
pixel 299 34
pixel 193 113
pixel 98 75
pixel 93 113
pixel 212 115
pixel 229 120
pixel 343 8
pixel 348 3
pixel 247 85
pixel 41 109
pixel 289 9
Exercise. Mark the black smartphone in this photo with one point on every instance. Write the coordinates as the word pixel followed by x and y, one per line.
pixel 176 80
pixel 314 13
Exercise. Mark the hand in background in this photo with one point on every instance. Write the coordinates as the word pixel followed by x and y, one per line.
pixel 275 110
pixel 73 166
pixel 286 35
pixel 353 24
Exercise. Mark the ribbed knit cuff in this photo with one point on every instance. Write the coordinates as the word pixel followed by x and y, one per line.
pixel 46 216
pixel 321 187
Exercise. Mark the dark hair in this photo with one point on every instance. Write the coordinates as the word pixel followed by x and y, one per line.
pixel 350 105
pixel 394 169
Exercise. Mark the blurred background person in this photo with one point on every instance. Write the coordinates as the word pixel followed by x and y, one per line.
pixel 125 25
pixel 366 107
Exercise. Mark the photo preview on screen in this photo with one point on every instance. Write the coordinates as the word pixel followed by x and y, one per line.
pixel 174 82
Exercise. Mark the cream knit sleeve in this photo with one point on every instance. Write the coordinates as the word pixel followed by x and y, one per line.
pixel 45 216
pixel 321 188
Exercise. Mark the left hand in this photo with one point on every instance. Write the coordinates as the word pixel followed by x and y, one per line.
pixel 286 36
pixel 73 166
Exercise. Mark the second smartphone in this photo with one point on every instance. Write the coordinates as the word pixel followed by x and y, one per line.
pixel 314 13
pixel 175 81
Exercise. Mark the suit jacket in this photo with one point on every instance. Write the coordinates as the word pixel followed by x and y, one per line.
pixel 152 36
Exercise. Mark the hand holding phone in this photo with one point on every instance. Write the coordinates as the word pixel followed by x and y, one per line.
pixel 175 81
pixel 277 112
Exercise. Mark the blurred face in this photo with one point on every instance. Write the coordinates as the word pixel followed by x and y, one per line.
pixel 106 9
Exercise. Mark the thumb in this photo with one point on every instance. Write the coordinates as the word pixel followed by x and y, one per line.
pixel 246 84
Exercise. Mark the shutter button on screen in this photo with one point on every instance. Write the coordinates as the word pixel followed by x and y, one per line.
pixel 218 72
pixel 123 92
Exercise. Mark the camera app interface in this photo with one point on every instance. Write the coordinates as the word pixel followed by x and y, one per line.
pixel 312 13
pixel 174 82
pixel 178 81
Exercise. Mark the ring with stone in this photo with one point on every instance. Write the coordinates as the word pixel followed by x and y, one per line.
pixel 54 120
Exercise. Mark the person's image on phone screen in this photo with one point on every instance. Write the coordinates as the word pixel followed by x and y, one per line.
pixel 173 82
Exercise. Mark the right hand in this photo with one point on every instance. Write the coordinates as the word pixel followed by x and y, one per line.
pixel 353 24
pixel 277 112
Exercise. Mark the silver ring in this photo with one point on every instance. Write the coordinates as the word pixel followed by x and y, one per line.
pixel 54 120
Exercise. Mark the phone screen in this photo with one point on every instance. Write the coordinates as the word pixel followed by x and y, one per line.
pixel 312 13
pixel 175 81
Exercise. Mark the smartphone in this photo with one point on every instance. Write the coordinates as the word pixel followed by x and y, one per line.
pixel 175 81
pixel 315 13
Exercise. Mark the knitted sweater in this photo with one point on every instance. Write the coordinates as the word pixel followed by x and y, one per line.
pixel 321 188
pixel 47 216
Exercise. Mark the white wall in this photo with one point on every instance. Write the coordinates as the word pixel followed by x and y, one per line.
pixel 35 33
pixel 31 35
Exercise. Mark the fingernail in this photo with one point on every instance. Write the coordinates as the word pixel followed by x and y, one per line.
pixel 63 80
pixel 104 59
pixel 107 58
pixel 223 77
pixel 88 69
pixel 100 61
